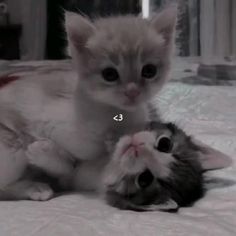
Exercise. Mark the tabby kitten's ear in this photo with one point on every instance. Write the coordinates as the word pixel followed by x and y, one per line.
pixel 164 22
pixel 212 159
pixel 169 206
pixel 78 29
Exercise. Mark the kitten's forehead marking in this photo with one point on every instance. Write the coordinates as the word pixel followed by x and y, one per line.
pixel 125 38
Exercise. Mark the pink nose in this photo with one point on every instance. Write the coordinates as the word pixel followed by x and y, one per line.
pixel 135 146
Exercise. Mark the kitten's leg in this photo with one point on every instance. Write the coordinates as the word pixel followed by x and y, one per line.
pixel 26 190
pixel 45 155
pixel 13 165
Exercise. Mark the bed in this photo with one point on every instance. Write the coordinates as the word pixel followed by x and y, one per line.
pixel 203 106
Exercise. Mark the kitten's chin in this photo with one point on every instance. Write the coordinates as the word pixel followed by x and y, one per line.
pixel 127 107
pixel 131 105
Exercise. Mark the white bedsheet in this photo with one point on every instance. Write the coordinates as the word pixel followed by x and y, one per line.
pixel 208 112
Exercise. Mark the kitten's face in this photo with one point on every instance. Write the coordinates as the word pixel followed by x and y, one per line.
pixel 138 165
pixel 122 61
pixel 158 169
pixel 146 150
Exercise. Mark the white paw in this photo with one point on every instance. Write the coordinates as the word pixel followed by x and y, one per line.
pixel 41 146
pixel 38 151
pixel 40 192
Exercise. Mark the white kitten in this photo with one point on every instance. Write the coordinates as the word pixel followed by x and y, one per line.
pixel 122 62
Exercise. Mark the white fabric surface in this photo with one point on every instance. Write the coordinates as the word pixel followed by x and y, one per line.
pixel 209 113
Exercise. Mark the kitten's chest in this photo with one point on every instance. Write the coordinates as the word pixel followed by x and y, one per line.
pixel 97 134
pixel 86 139
pixel 128 125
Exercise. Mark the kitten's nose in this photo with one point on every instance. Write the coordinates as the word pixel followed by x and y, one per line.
pixel 132 91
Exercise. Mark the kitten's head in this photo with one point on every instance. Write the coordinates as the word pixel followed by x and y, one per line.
pixel 158 169
pixel 122 61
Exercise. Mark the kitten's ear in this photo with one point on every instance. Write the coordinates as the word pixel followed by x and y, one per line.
pixel 212 159
pixel 165 21
pixel 78 29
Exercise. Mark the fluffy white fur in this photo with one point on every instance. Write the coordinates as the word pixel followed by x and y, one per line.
pixel 74 116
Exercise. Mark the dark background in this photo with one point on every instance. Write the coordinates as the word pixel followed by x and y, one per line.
pixel 56 34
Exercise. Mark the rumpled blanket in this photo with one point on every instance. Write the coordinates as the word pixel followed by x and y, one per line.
pixel 203 107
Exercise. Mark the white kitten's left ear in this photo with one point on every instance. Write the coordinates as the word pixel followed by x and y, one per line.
pixel 212 159
pixel 165 21
pixel 78 28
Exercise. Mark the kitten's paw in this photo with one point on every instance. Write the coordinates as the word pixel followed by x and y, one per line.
pixel 42 146
pixel 38 152
pixel 40 192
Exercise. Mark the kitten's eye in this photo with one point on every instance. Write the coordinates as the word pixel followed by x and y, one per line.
pixel 145 179
pixel 110 74
pixel 149 71
pixel 164 144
